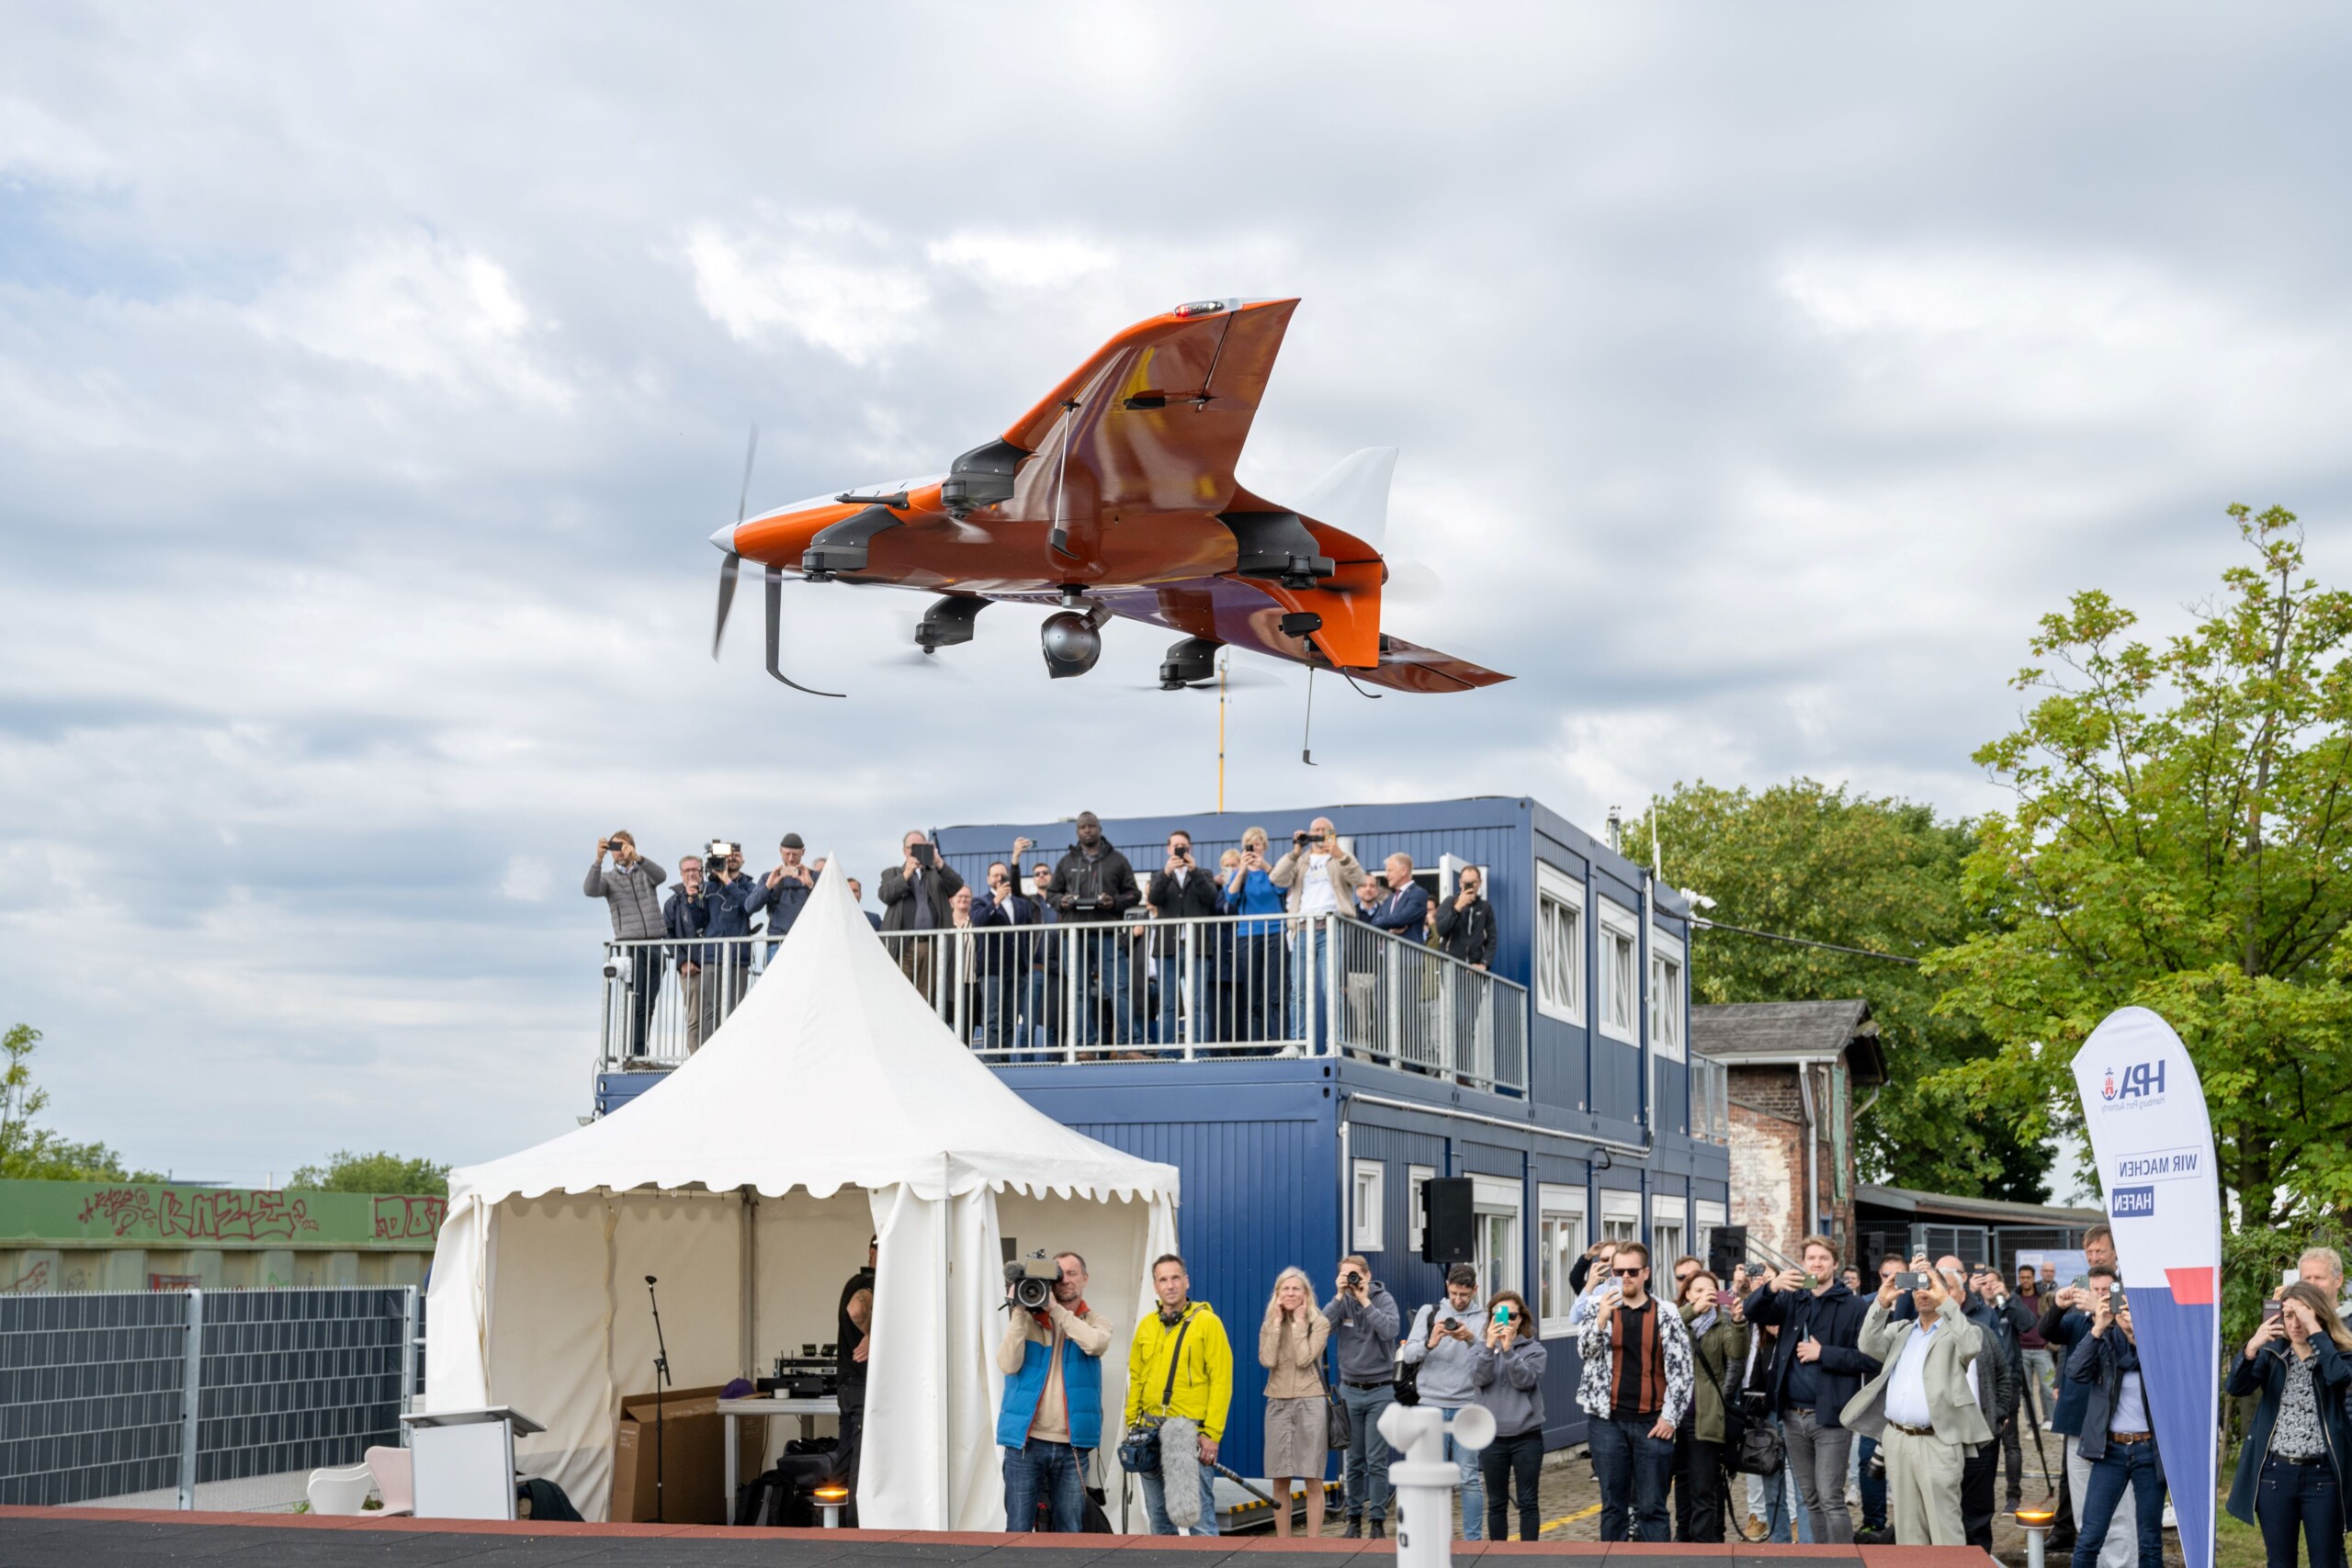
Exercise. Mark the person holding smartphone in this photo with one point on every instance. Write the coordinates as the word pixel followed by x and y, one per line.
pixel 1820 1367
pixel 1444 1343
pixel 2119 1436
pixel 1637 1384
pixel 1182 890
pixel 917 894
pixel 1364 1323
pixel 2297 1461
pixel 1509 1376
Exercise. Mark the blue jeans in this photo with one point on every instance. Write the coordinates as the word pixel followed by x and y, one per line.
pixel 1367 1469
pixel 1310 1003
pixel 1474 1485
pixel 2123 1464
pixel 1102 977
pixel 1632 1469
pixel 2292 1497
pixel 1784 1507
pixel 1048 1472
pixel 1155 1503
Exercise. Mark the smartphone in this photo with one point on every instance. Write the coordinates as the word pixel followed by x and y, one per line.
pixel 1913 1280
pixel 2271 1309
pixel 1812 1284
pixel 1502 1313
pixel 924 856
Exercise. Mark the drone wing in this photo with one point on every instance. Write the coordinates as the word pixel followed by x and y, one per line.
pixel 1153 422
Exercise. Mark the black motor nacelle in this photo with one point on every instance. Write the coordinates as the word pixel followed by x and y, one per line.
pixel 1194 659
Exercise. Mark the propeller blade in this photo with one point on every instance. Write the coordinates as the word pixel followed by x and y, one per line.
pixel 744 501
pixel 727 572
pixel 775 585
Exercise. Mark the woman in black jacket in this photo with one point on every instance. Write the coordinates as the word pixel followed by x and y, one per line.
pixel 2297 1459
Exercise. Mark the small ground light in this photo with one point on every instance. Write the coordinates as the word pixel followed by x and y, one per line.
pixel 832 1497
pixel 2036 1523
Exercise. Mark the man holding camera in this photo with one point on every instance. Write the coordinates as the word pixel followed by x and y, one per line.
pixel 631 892
pixel 1921 1406
pixel 1995 1377
pixel 1320 878
pixel 917 894
pixel 784 891
pixel 1051 1418
pixel 1818 1370
pixel 1184 891
pixel 726 912
pixel 1365 1321
pixel 1094 887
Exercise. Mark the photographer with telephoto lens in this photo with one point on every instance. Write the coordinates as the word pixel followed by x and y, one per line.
pixel 1051 1417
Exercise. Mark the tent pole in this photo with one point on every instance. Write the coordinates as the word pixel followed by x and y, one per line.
pixel 947 1344
pixel 751 1261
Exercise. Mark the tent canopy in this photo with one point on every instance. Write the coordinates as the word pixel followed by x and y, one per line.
pixel 832 1103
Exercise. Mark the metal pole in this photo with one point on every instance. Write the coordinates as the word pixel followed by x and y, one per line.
pixel 408 1357
pixel 191 1389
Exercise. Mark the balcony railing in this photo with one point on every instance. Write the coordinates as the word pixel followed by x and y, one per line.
pixel 1123 990
pixel 1710 1099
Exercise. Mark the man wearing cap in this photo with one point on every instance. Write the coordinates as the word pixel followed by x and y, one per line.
pixel 783 892
pixel 1094 885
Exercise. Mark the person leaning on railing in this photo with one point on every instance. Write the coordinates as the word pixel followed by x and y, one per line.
pixel 2297 1461
pixel 631 892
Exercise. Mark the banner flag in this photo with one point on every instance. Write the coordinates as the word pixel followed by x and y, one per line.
pixel 2145 1111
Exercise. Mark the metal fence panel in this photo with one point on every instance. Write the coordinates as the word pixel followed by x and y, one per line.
pixel 92 1386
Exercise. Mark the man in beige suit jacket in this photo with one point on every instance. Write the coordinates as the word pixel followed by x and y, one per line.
pixel 1921 1407
pixel 1291 872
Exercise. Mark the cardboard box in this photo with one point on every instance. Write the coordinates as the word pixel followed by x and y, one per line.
pixel 693 1457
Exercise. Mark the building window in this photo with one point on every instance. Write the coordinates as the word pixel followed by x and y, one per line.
pixel 1708 1216
pixel 1417 1212
pixel 1620 973
pixel 1666 995
pixel 1560 1243
pixel 1559 944
pixel 1495 1203
pixel 1621 1216
pixel 1669 1231
pixel 1369 1180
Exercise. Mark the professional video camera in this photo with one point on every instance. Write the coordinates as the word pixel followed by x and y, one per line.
pixel 1032 1279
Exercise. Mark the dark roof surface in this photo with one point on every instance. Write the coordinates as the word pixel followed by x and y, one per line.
pixel 1792 1029
pixel 1990 1210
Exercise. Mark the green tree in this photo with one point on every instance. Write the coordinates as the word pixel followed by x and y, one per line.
pixel 380 1172
pixel 2182 839
pixel 1804 860
pixel 31 1152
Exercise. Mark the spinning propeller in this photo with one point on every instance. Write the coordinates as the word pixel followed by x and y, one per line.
pixel 771 581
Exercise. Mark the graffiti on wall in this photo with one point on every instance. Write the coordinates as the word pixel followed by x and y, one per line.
pixel 410 1219
pixel 226 1213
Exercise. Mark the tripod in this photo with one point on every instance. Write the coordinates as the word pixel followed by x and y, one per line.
pixel 661 1401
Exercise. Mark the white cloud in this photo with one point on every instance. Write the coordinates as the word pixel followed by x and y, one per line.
pixel 1021 263
pixel 821 282
pixel 37 145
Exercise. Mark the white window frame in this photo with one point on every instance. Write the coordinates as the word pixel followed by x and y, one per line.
pixel 1621 1215
pixel 1707 1216
pixel 1493 1198
pixel 1558 889
pixel 1617 924
pixel 1371 1176
pixel 1668 1210
pixel 1417 1181
pixel 1666 1013
pixel 1561 1233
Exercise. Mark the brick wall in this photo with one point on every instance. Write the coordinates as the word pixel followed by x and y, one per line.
pixel 1767 1158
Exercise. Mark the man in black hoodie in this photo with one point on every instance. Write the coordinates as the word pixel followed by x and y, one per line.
pixel 1095 886
pixel 1818 1369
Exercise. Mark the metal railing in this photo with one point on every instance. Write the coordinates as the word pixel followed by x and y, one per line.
pixel 1124 990
pixel 1710 1099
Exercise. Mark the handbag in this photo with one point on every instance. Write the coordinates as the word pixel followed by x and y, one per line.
pixel 1337 1430
pixel 1406 1380
pixel 1139 1448
pixel 1094 1519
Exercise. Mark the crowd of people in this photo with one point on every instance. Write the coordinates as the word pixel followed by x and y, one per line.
pixel 1118 981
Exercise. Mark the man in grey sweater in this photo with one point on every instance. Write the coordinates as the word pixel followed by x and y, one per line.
pixel 1363 1333
pixel 1445 1342
pixel 632 892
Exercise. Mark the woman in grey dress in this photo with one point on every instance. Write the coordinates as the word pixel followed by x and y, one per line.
pixel 1290 1347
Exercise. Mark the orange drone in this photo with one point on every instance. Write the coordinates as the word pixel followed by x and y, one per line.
pixel 1115 496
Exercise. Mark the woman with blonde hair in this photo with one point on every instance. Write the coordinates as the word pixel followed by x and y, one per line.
pixel 1290 1347
pixel 2297 1461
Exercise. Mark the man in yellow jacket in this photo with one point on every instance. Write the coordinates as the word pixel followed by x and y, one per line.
pixel 1184 1334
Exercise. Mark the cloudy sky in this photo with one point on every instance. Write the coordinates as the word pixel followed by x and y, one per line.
pixel 371 377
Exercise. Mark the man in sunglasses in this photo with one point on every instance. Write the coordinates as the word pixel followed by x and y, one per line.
pixel 1636 1385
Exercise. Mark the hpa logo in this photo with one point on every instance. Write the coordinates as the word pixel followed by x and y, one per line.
pixel 2141 1080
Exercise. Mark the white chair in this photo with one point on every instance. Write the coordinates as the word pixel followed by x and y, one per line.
pixel 395 1479
pixel 339 1491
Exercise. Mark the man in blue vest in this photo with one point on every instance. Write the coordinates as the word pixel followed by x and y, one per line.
pixel 1052 1416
